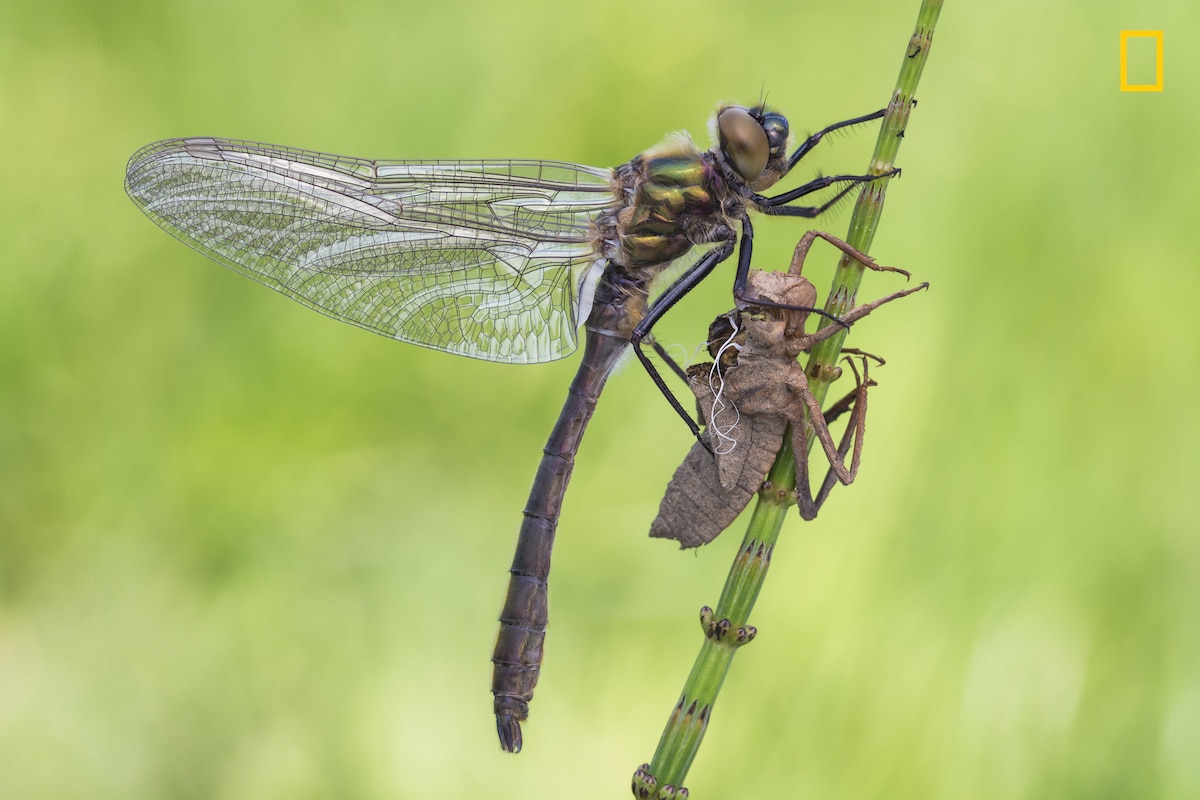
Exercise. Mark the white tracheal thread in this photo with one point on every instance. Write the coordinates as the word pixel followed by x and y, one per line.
pixel 725 443
pixel 681 354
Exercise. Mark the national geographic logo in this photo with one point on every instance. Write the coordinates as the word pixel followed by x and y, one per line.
pixel 1140 62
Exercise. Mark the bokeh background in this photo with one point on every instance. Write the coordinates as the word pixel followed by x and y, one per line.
pixel 248 552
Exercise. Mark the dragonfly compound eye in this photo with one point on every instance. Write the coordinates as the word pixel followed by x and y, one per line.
pixel 744 142
pixel 776 127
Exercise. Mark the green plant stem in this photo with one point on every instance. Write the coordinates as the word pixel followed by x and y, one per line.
pixel 685 728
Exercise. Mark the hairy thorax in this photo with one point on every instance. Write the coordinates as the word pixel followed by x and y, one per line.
pixel 672 197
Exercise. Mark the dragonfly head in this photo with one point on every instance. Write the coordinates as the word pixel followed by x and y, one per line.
pixel 752 143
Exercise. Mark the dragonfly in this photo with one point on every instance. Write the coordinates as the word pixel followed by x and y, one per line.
pixel 499 260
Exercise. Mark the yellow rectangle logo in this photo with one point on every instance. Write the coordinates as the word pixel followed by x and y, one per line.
pixel 1157 86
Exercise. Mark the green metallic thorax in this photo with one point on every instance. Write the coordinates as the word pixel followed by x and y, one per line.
pixel 668 195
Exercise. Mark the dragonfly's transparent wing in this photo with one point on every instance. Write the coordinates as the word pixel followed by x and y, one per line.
pixel 480 258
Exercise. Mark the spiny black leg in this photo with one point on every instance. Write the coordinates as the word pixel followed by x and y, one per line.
pixel 656 376
pixel 817 184
pixel 741 279
pixel 680 288
pixel 674 293
pixel 811 142
pixel 665 356
pixel 808 212
pixel 683 376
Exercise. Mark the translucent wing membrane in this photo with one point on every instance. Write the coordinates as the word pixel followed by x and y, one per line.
pixel 481 258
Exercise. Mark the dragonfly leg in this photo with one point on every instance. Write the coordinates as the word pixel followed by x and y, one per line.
pixel 808 144
pixel 671 362
pixel 674 293
pixel 681 374
pixel 777 206
pixel 817 184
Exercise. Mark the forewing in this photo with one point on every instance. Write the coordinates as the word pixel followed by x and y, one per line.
pixel 480 258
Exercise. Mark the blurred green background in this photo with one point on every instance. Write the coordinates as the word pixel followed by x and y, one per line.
pixel 247 552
